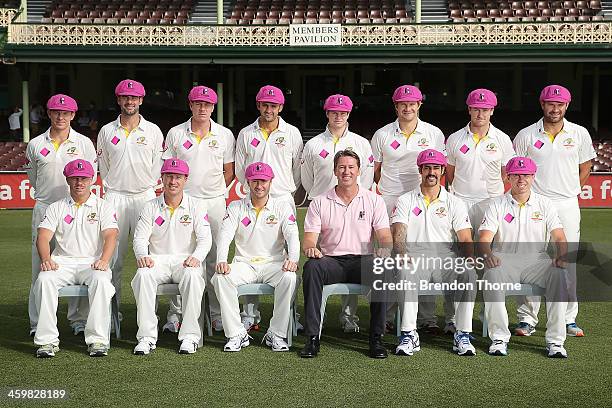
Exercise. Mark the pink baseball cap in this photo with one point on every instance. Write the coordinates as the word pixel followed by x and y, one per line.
pixel 407 93
pixel 521 165
pixel 338 103
pixel 555 93
pixel 270 93
pixel 481 98
pixel 62 102
pixel 175 166
pixel 203 94
pixel 431 156
pixel 129 87
pixel 259 171
pixel 79 168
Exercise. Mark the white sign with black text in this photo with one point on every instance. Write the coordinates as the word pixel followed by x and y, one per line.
pixel 315 35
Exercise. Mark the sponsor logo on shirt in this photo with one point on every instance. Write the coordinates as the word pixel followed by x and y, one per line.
pixel 280 141
pixel 141 140
pixel 491 147
pixel 213 144
pixel 92 217
pixel 72 151
pixel 441 212
pixel 568 143
pixel 185 219
pixel 271 220
pixel 423 142
pixel 537 216
pixel 361 216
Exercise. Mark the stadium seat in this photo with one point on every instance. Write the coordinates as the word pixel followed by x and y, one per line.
pixel 172 289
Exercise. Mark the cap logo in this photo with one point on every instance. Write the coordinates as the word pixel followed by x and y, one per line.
pixel 340 101
pixel 174 164
pixel 62 101
pixel 521 163
pixel 430 154
pixel 204 91
pixel 130 85
pixel 556 91
pixel 80 166
pixel 258 167
pixel 271 92
pixel 481 96
pixel 407 90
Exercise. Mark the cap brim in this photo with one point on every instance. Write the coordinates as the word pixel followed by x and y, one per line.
pixel 482 106
pixel 80 174
pixel 561 100
pixel 270 101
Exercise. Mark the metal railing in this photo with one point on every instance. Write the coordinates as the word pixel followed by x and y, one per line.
pixel 6 16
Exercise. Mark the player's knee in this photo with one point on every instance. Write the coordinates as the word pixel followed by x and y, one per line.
pixel 46 278
pixel 289 278
pixel 312 270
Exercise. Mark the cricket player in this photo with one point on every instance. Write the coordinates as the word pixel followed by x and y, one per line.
pixel 171 241
pixel 519 224
pixel 47 156
pixel 208 149
pixel 563 151
pixel 260 226
pixel 425 223
pixel 395 148
pixel 318 171
pixel 129 154
pixel 338 233
pixel 273 141
pixel 85 230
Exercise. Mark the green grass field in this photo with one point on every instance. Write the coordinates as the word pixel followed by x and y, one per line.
pixel 342 375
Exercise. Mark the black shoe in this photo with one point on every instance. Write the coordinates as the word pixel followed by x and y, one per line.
pixel 377 349
pixel 311 348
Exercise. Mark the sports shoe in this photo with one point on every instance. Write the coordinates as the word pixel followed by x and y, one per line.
pixel 236 343
pixel 32 332
pixel 556 351
pixel 217 325
pixel 462 345
pixel 574 331
pixel 188 347
pixel 350 324
pixel 524 329
pixel 171 327
pixel 78 327
pixel 498 348
pixel 249 324
pixel 144 347
pixel 47 351
pixel 97 350
pixel 409 343
pixel 275 342
pixel 450 328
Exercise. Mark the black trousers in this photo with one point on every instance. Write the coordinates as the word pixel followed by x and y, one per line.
pixel 337 269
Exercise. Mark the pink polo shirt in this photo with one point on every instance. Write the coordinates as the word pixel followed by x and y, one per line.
pixel 346 230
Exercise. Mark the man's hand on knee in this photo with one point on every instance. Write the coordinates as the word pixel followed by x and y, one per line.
pixel 49 265
pixel 223 268
pixel 100 265
pixel 145 262
pixel 191 262
pixel 289 266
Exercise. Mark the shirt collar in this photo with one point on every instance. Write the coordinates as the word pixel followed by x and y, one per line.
pixel 184 202
pixel 533 199
pixel 141 123
pixel 329 134
pixel 71 135
pixel 214 127
pixel 331 194
pixel 268 206
pixel 282 125
pixel 540 125
pixel 443 196
pixel 491 134
pixel 417 129
pixel 90 202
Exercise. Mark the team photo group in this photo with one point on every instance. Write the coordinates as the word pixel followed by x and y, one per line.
pixel 477 194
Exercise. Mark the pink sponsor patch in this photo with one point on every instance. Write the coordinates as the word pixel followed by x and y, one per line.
pixel 246 221
pixel 324 153
pixel 417 211
pixel 538 144
pixel 159 221
pixel 68 219
pixel 292 218
pixel 509 218
pixel 464 149
pixel 187 144
pixel 371 158
pixel 255 142
pixel 206 217
pixel 395 145
pixel 45 152
pixel 115 140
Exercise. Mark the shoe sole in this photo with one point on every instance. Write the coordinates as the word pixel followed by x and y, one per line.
pixel 498 354
pixel 467 353
pixel 308 355
pixel 523 333
pixel 243 345
pixel 98 354
pixel 557 355
pixel 186 352
pixel 403 353
pixel 45 355
pixel 580 334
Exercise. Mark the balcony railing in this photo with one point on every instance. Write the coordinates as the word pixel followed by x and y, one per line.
pixel 6 15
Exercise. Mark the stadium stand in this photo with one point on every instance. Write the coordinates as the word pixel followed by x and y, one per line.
pixel 529 10
pixel 603 161
pixel 320 11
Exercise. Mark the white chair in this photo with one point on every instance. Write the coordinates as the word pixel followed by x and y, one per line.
pixel 340 289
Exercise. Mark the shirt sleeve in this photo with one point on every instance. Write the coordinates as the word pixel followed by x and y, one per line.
pixel 380 219
pixel 91 156
pixel 490 221
pixel 291 233
pixel 401 212
pixel 586 151
pixel 202 233
pixel 507 149
pixel 553 221
pixel 307 170
pixel 228 230
pixel 108 218
pixel 241 157
pixel 450 150
pixel 376 145
pixel 297 158
pixel 52 216
pixel 103 156
pixel 169 146
pixel 143 231
pixel 440 145
pixel 157 153
pixel 230 149
pixel 520 143
pixel 32 166
pixel 367 166
pixel 312 222
pixel 461 219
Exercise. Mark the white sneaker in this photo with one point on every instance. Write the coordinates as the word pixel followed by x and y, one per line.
pixel 78 327
pixel 144 347
pixel 556 351
pixel 47 351
pixel 409 343
pixel 33 332
pixel 97 350
pixel 277 343
pixel 350 324
pixel 217 325
pixel 498 348
pixel 462 345
pixel 171 327
pixel 188 347
pixel 236 343
pixel 249 323
pixel 450 328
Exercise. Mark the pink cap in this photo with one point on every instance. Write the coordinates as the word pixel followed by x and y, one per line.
pixel 203 94
pixel 259 171
pixel 79 168
pixel 407 93
pixel 481 98
pixel 62 102
pixel 129 87
pixel 270 93
pixel 175 166
pixel 431 156
pixel 555 93
pixel 338 103
pixel 521 165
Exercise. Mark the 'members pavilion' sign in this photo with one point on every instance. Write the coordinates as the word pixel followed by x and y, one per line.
pixel 314 34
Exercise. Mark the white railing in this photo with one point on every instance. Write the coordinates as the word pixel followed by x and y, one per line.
pixel 278 36
pixel 6 16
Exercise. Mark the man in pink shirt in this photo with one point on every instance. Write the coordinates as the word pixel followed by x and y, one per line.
pixel 344 221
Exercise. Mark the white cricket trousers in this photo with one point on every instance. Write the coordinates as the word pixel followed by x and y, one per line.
pixel 538 272
pixel 458 305
pixel 74 272
pixel 250 308
pixel 191 284
pixel 529 306
pixel 242 273
pixel 78 308
pixel 128 209
pixel 216 211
